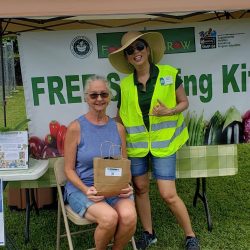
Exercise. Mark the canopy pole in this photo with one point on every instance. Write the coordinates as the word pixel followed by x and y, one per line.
pixel 2 69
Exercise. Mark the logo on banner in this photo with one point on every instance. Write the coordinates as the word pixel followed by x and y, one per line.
pixel 208 39
pixel 81 47
pixel 178 40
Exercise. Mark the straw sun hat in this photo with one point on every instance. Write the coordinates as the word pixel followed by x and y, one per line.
pixel 155 41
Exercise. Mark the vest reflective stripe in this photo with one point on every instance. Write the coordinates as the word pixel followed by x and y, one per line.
pixel 135 129
pixel 162 125
pixel 137 145
pixel 164 144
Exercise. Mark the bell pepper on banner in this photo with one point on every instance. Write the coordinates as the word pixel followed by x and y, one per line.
pixel 54 127
pixel 60 139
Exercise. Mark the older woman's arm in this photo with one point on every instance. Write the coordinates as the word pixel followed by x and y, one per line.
pixel 118 118
pixel 70 149
pixel 72 140
pixel 126 192
pixel 122 133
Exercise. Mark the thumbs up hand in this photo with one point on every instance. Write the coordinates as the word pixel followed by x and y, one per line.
pixel 162 110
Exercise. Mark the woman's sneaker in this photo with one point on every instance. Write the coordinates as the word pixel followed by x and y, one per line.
pixel 192 243
pixel 146 240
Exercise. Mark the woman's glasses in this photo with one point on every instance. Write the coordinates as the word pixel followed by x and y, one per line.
pixel 95 95
pixel 131 49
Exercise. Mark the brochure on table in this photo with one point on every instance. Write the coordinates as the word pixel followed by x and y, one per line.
pixel 2 238
pixel 13 150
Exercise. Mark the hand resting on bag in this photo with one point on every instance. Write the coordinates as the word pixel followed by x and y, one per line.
pixel 126 192
pixel 91 193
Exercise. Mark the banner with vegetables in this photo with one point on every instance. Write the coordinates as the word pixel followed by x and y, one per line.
pixel 213 59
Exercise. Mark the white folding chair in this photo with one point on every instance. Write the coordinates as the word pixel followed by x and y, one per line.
pixel 67 212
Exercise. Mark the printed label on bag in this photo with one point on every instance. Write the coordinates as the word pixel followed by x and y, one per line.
pixel 113 171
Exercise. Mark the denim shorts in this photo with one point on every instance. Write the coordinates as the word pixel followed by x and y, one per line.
pixel 163 168
pixel 79 202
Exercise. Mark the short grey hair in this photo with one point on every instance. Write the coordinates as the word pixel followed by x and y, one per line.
pixel 93 78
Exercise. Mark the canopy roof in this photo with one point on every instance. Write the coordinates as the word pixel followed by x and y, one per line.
pixel 34 8
pixel 27 15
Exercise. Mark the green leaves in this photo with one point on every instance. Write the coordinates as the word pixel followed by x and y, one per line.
pixel 20 126
pixel 220 129
pixel 232 115
pixel 196 129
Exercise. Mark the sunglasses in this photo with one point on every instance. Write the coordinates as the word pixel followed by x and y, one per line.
pixel 131 49
pixel 95 95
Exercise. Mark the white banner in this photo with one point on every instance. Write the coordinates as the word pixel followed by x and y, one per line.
pixel 213 58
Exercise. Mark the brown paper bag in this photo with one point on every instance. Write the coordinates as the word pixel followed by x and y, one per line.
pixel 111 175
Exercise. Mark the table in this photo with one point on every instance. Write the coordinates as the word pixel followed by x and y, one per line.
pixel 197 162
pixel 201 162
pixel 36 169
pixel 207 161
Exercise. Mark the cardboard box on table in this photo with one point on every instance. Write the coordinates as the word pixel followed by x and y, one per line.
pixel 16 197
pixel 44 190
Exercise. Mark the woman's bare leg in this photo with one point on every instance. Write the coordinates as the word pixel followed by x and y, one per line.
pixel 143 206
pixel 127 219
pixel 106 218
pixel 168 192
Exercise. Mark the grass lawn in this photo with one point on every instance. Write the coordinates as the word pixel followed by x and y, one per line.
pixel 228 198
pixel 15 109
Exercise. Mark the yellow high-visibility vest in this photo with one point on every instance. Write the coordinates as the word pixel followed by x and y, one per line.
pixel 166 134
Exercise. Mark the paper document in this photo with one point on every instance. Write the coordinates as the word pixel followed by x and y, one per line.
pixel 13 150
